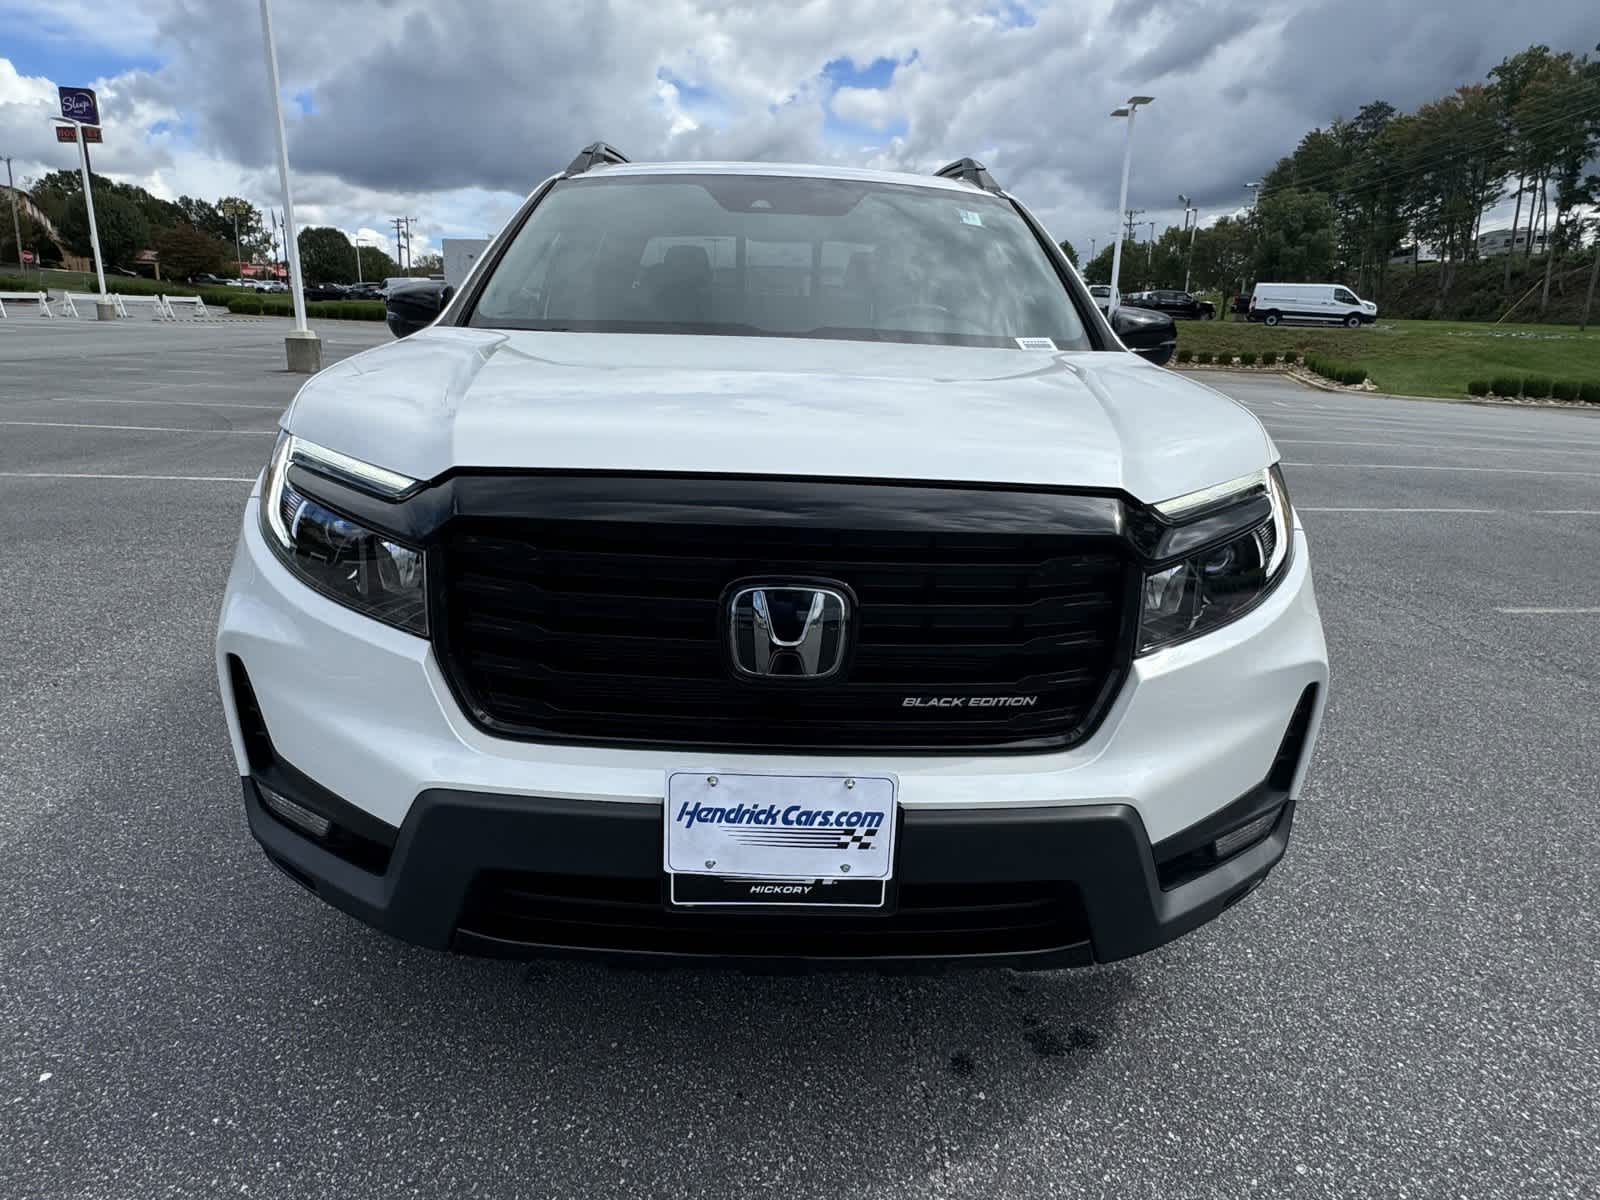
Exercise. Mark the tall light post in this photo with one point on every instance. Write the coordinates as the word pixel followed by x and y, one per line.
pixel 1128 110
pixel 304 348
pixel 1255 192
pixel 1150 254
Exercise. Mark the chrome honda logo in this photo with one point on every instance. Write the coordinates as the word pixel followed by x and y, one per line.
pixel 793 631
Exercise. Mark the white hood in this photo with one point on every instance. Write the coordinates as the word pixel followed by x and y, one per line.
pixel 452 397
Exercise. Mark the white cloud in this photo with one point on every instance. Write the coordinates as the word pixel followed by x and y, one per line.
pixel 451 112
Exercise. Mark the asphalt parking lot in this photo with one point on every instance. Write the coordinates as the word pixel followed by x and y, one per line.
pixel 1406 1009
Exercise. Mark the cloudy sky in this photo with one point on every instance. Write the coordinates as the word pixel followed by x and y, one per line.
pixel 452 110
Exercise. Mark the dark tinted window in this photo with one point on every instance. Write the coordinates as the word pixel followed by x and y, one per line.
pixel 779 256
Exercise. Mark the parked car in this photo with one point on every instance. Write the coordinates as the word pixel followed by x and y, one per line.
pixel 364 291
pixel 1176 304
pixel 1319 303
pixel 1102 296
pixel 668 596
pixel 325 291
pixel 413 304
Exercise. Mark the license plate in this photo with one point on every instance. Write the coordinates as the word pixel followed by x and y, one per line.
pixel 779 831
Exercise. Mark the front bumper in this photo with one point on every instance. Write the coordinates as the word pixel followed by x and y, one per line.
pixel 516 876
pixel 364 711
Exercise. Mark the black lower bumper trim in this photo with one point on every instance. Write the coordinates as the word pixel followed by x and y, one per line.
pixel 520 875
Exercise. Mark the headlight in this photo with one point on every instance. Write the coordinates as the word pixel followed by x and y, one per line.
pixel 1226 579
pixel 342 559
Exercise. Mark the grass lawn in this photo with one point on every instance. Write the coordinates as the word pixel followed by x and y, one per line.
pixel 1419 358
pixel 85 281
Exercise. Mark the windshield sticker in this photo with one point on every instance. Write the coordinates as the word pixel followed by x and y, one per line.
pixel 1036 344
pixel 970 218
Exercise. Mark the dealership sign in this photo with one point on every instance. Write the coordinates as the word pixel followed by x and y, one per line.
pixel 91 133
pixel 79 104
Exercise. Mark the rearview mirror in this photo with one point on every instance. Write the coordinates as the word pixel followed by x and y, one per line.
pixel 416 305
pixel 1149 334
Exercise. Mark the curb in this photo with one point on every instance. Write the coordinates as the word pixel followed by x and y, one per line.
pixel 1316 383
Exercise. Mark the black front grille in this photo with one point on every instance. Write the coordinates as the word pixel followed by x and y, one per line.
pixel 614 632
pixel 629 915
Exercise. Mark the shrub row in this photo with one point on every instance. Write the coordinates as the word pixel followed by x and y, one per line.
pixel 1536 387
pixel 1247 358
pixel 1336 371
pixel 250 304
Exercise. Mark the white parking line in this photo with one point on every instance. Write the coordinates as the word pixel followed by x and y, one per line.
pixel 1434 446
pixel 1420 467
pixel 135 428
pixel 186 403
pixel 98 475
pixel 1531 512
pixel 1522 612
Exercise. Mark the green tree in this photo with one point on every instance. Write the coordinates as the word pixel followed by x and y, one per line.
pixel 35 236
pixel 376 265
pixel 1223 255
pixel 428 264
pixel 1066 248
pixel 185 252
pixel 326 255
pixel 1098 269
pixel 122 227
pixel 1297 237
pixel 254 240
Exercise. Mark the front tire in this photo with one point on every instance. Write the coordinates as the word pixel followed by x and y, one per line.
pixel 1352 322
pixel 1272 318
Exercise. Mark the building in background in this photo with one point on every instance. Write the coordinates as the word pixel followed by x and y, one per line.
pixel 459 256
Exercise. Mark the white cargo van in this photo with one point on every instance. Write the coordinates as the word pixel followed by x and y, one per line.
pixel 1274 303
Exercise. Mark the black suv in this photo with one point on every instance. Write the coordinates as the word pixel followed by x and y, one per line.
pixel 1175 304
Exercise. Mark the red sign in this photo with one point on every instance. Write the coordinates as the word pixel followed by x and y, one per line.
pixel 27 256
pixel 91 133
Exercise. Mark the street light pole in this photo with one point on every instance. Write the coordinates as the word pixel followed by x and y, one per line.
pixel 1128 110
pixel 303 346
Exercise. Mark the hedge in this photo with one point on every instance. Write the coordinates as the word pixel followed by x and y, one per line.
pixel 1185 355
pixel 322 310
pixel 1536 387
pixel 1478 387
pixel 1247 358
pixel 1589 392
pixel 1338 372
pixel 1564 390
pixel 1506 385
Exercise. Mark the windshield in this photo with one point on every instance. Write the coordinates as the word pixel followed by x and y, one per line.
pixel 779 256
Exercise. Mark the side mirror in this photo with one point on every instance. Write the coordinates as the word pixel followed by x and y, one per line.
pixel 1149 334
pixel 414 306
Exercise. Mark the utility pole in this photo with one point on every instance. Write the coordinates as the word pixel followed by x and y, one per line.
pixel 1189 210
pixel 1130 214
pixel 16 225
pixel 1594 275
pixel 402 243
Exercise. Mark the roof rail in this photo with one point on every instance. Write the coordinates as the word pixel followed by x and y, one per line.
pixel 969 170
pixel 595 154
